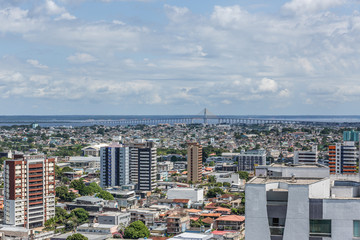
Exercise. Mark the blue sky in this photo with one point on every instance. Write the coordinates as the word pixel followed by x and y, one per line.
pixel 177 57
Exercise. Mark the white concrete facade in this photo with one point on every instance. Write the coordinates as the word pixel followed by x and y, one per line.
pixel 296 208
pixel 194 194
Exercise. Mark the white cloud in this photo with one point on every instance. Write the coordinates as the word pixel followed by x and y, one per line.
pixel 35 63
pixel 66 16
pixel 79 58
pixel 53 9
pixel 267 85
pixel 310 6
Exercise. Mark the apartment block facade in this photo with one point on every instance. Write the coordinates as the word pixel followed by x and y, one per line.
pixel 343 158
pixel 29 184
pixel 114 168
pixel 306 157
pixel 248 160
pixel 194 166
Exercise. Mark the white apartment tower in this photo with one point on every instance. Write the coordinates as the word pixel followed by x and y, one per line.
pixel 143 167
pixel 114 166
pixel 29 187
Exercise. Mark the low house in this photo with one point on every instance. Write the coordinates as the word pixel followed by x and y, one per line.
pixel 230 222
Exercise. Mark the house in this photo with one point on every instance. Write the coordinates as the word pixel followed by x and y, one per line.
pixel 223 211
pixel 230 222
pixel 177 222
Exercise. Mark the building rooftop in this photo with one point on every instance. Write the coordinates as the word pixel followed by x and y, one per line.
pixel 288 180
pixel 294 165
pixel 231 218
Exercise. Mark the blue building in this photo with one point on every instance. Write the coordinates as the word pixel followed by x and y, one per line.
pixel 352 136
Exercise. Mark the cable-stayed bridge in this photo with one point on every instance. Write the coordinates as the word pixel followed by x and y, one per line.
pixel 205 117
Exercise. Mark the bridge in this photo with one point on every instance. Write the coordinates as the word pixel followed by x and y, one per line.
pixel 205 117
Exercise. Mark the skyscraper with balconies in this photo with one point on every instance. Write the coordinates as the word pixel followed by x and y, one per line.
pixel 343 158
pixel 114 166
pixel 29 187
pixel 194 159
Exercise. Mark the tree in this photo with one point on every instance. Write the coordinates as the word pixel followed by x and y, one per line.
pixel 64 194
pixel 81 215
pixel 214 192
pixel 77 236
pixel 226 184
pixel 244 175
pixel 95 188
pixel 105 195
pixel 136 230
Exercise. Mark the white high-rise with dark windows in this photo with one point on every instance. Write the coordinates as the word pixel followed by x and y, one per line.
pixel 143 165
pixel 114 167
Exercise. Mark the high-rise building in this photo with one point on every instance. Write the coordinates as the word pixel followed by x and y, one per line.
pixel 143 167
pixel 114 167
pixel 302 205
pixel 194 158
pixel 352 136
pixel 250 159
pixel 306 157
pixel 343 158
pixel 29 191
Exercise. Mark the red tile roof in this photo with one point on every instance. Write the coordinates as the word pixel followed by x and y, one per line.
pixel 216 215
pixel 181 200
pixel 231 218
pixel 221 209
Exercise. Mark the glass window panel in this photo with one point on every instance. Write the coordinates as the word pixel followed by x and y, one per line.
pixel 320 227
pixel 356 228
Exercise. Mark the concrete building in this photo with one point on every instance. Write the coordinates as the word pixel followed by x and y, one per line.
pixel 125 199
pixel 292 170
pixel 194 159
pixel 192 236
pixel 93 150
pixel 352 136
pixel 114 218
pixel 298 208
pixel 343 158
pixel 84 162
pixel 143 165
pixel 114 169
pixel 249 159
pixel 306 157
pixel 29 191
pixel 145 215
pixel 194 194
pixel 178 222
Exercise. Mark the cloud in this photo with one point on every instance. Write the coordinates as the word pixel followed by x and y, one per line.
pixel 66 16
pixel 267 85
pixel 80 58
pixel 36 64
pixel 310 6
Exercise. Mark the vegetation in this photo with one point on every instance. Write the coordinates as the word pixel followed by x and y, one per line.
pixel 77 236
pixel 83 189
pixel 105 195
pixel 64 194
pixel 136 230
pixel 74 218
pixel 214 192
pixel 244 175
pixel 74 150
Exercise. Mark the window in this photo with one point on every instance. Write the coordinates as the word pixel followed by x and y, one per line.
pixel 321 228
pixel 356 228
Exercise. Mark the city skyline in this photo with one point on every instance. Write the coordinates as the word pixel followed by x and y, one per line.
pixel 152 57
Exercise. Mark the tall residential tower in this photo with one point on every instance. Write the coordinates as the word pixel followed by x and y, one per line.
pixel 29 191
pixel 194 159
pixel 114 167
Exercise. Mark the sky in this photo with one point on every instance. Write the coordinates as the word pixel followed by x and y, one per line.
pixel 153 57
